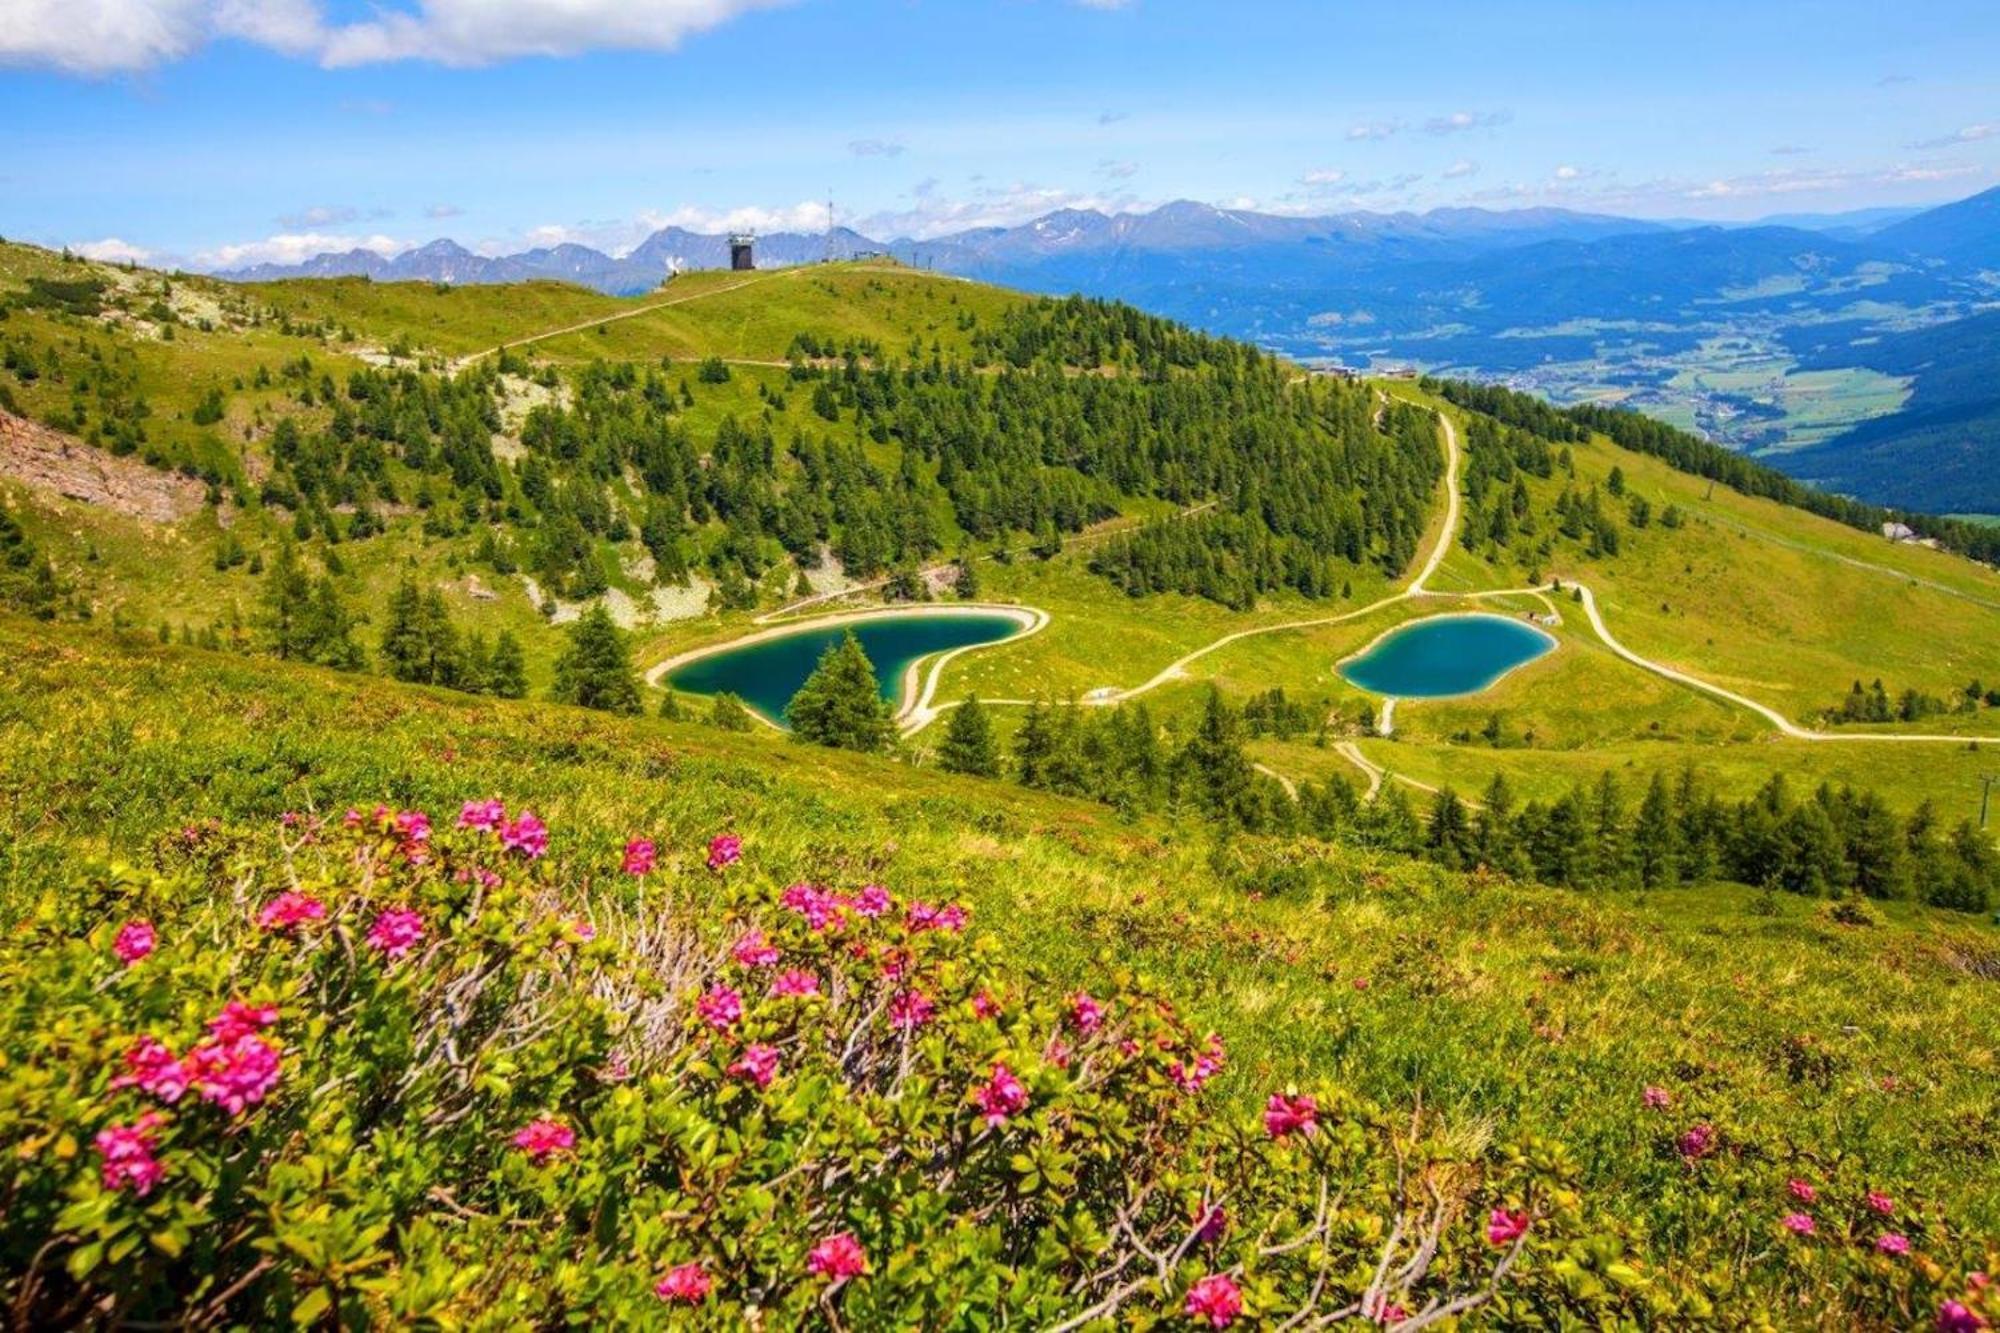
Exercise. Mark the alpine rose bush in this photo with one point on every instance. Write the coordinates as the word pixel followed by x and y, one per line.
pixel 398 1070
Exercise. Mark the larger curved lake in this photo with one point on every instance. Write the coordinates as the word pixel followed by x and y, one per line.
pixel 1446 655
pixel 766 673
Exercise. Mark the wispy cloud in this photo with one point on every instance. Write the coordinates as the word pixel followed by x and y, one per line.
pixel 1969 134
pixel 111 250
pixel 1462 169
pixel 438 212
pixel 320 215
pixel 100 37
pixel 1112 117
pixel 1373 131
pixel 1113 170
pixel 1461 122
pixel 876 147
pixel 292 248
pixel 1790 150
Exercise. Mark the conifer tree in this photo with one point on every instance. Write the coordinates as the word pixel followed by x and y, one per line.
pixel 727 713
pixel 1656 838
pixel 968 742
pixel 507 673
pixel 841 705
pixel 595 670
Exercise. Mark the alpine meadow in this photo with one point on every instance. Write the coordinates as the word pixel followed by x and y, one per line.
pixel 1411 747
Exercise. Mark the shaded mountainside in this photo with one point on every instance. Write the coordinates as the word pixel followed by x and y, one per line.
pixel 1942 450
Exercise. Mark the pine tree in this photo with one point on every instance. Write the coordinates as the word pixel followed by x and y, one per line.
pixel 727 713
pixel 1656 838
pixel 284 603
pixel 841 705
pixel 968 745
pixel 507 673
pixel 670 706
pixel 595 670
pixel 966 584
pixel 1214 767
pixel 1448 836
pixel 1032 744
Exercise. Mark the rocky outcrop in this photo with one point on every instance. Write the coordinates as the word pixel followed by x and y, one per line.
pixel 51 461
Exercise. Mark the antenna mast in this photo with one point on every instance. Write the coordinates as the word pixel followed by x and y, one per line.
pixel 827 257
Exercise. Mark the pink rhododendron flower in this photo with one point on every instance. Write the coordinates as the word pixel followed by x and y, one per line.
pixel 414 826
pixel 396 931
pixel 486 816
pixel 1214 1225
pixel 1504 1227
pixel 290 910
pixel 1085 1013
pixel 753 950
pixel 1892 1242
pixel 135 940
pixel 526 834
pixel 151 1067
pixel 581 930
pixel 1215 1299
pixel 724 850
pixel 720 1008
pixel 1697 1142
pixel 639 855
pixel 235 1075
pixel 1658 1099
pixel 796 983
pixel 911 1009
pixel 1191 1076
pixel 1287 1115
pixel 923 916
pixel 839 1257
pixel 1881 1203
pixel 1953 1317
pixel 1391 1314
pixel 545 1138
pixel 1801 1190
pixel 1003 1095
pixel 985 1006
pixel 238 1020
pixel 129 1163
pixel 687 1285
pixel 759 1064
pixel 820 908
pixel 872 901
pixel 1799 1224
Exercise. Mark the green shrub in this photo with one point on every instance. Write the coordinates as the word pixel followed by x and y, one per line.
pixel 389 1073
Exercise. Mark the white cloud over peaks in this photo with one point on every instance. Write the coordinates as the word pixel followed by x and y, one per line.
pixel 99 37
pixel 292 248
pixel 111 250
pixel 1461 169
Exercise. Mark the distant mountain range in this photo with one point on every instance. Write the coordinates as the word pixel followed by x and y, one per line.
pixel 1569 304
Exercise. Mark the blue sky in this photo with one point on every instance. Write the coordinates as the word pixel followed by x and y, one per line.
pixel 221 132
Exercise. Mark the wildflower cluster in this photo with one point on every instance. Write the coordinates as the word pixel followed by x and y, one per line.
pixel 417 1049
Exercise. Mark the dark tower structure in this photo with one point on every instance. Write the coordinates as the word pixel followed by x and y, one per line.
pixel 741 251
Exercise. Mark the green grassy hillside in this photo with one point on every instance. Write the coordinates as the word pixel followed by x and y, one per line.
pixel 1855 1055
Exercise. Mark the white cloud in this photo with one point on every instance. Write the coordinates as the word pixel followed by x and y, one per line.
pixel 1373 130
pixel 1323 176
pixel 437 211
pixel 111 250
pixel 1461 169
pixel 876 148
pixel 1567 173
pixel 99 37
pixel 1970 134
pixel 993 206
pixel 293 248
pixel 1458 122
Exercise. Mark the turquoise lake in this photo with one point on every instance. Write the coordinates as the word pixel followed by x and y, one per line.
pixel 766 674
pixel 1446 655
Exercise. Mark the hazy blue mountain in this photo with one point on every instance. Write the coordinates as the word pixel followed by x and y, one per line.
pixel 1965 234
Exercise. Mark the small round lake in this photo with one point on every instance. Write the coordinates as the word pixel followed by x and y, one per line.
pixel 766 672
pixel 1446 655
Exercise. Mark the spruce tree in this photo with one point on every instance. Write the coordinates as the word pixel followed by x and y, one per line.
pixel 968 742
pixel 1656 838
pixel 727 713
pixel 595 670
pixel 507 673
pixel 1215 768
pixel 840 705
pixel 284 604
